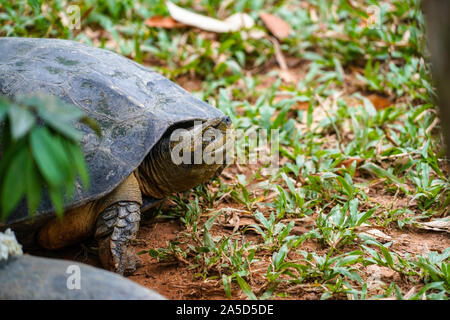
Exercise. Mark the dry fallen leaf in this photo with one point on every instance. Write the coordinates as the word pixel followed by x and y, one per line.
pixel 349 161
pixel 276 25
pixel 300 105
pixel 377 234
pixel 379 102
pixel 410 293
pixel 442 225
pixel 163 22
pixel 234 22
pixel 237 222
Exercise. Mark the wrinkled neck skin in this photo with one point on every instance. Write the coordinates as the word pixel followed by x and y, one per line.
pixel 159 176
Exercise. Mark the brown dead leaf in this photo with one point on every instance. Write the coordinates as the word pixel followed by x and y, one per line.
pixel 300 105
pixel 276 25
pixel 349 161
pixel 379 102
pixel 163 22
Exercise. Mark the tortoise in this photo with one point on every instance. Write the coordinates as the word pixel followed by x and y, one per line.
pixel 130 165
pixel 35 278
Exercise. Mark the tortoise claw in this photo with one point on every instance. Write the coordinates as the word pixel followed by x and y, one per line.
pixel 132 262
pixel 116 228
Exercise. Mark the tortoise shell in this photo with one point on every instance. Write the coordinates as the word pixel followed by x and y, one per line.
pixel 133 105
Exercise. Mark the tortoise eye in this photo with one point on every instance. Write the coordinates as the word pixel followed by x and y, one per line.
pixel 227 120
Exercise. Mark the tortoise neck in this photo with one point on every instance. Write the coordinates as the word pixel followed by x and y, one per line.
pixel 154 171
pixel 159 176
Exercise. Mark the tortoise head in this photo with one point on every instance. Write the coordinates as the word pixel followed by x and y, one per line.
pixel 186 156
pixel 204 143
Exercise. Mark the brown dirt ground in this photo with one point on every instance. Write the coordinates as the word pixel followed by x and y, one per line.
pixel 176 280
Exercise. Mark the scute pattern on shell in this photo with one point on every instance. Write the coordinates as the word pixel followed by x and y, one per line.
pixel 133 105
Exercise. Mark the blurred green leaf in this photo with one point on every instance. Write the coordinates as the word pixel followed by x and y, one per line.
pixel 21 121
pixel 14 184
pixel 46 153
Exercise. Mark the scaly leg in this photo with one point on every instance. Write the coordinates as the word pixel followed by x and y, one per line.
pixel 116 227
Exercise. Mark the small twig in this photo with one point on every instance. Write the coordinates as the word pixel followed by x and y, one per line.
pixel 389 137
pixel 380 181
pixel 399 155
pixel 432 125
pixel 230 209
pixel 182 260
pixel 278 54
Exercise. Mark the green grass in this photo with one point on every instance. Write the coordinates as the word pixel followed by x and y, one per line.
pixel 340 156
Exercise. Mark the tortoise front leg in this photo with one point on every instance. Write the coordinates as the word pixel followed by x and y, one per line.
pixel 117 226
